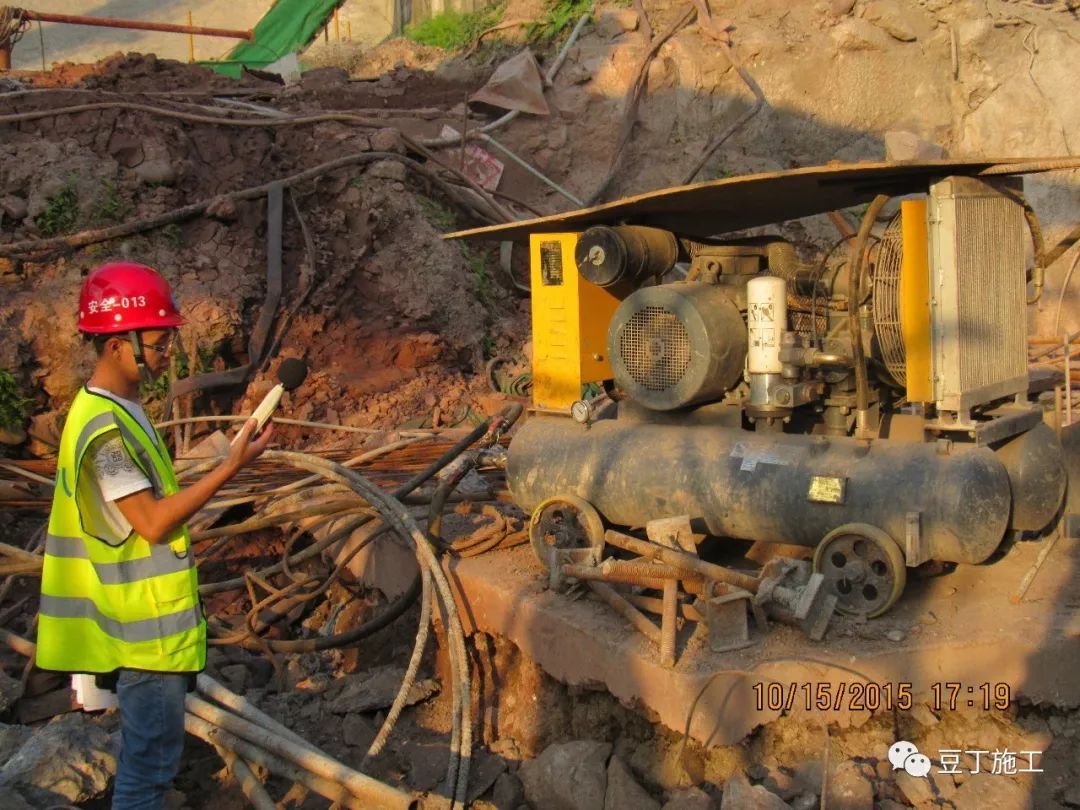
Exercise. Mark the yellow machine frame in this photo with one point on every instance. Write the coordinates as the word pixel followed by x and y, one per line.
pixel 570 318
pixel 915 300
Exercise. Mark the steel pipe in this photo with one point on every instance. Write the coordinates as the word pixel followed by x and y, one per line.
pixel 246 779
pixel 828 359
pixel 683 561
pixel 370 791
pixel 628 611
pixel 137 25
pixel 218 737
pixel 247 710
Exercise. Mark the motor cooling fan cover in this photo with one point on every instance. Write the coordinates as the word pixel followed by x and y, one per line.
pixel 677 344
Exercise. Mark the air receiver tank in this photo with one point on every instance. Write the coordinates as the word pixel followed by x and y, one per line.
pixel 762 486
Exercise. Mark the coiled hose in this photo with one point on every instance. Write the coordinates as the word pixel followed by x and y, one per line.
pixel 401 492
pixel 506 418
pixel 395 515
pixel 391 511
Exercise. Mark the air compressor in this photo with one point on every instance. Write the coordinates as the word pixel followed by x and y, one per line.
pixel 875 411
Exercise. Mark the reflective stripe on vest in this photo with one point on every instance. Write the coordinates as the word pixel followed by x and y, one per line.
pixel 162 560
pixel 106 606
pixel 107 420
pixel 93 426
pixel 72 607
pixel 143 458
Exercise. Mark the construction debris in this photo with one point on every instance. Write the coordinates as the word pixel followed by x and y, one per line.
pixel 70 760
pixel 516 84
pixel 571 776
pixel 373 690
pixel 10 692
pixel 414 341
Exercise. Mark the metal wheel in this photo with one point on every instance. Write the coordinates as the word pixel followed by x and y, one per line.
pixel 570 524
pixel 863 567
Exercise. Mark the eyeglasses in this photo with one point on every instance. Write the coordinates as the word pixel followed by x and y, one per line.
pixel 163 346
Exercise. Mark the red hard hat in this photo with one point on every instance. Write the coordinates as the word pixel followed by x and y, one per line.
pixel 121 296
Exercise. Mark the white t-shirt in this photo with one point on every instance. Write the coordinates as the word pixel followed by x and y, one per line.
pixel 115 474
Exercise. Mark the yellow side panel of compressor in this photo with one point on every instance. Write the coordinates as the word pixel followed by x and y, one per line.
pixel 915 300
pixel 570 318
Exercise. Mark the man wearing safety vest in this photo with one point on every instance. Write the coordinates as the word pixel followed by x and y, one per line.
pixel 119 590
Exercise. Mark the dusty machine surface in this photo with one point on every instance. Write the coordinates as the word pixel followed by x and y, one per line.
pixel 875 409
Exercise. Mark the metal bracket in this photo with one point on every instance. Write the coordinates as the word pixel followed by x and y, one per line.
pixel 726 619
pixel 674 533
pixel 790 593
pixel 1006 422
pixel 913 544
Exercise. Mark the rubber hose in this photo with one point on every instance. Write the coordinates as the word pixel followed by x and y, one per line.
pixel 503 421
pixel 303 645
pixel 442 461
pixel 410 673
pixel 855 269
pixel 395 515
pixel 396 608
pixel 439 499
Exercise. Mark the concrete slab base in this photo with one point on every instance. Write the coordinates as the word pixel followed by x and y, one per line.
pixel 955 642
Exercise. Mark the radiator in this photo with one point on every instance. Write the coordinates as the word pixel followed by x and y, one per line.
pixel 977 244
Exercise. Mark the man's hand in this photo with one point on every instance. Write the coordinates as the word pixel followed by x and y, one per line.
pixel 245 450
pixel 156 518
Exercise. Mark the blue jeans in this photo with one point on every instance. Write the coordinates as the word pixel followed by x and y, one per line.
pixel 151 735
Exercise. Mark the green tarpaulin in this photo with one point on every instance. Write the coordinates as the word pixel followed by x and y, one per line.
pixel 288 26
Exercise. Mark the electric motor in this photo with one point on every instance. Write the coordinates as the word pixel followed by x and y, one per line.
pixel 677 345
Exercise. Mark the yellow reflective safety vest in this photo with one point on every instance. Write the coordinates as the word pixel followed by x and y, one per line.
pixel 107 605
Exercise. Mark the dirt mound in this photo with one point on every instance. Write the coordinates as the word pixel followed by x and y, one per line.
pixel 396 321
pixel 888 57
pixel 135 72
pixel 371 63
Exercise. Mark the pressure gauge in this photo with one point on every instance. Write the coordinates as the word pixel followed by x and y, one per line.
pixel 581 412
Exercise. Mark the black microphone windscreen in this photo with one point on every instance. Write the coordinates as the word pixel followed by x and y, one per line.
pixel 291 373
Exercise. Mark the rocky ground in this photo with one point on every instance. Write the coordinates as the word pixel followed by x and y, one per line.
pixel 403 329
pixel 565 748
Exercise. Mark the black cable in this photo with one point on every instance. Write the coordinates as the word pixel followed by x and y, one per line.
pixel 396 609
pixel 439 499
pixel 442 461
pixel 504 421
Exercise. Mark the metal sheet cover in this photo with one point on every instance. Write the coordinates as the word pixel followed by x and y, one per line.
pixel 720 206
